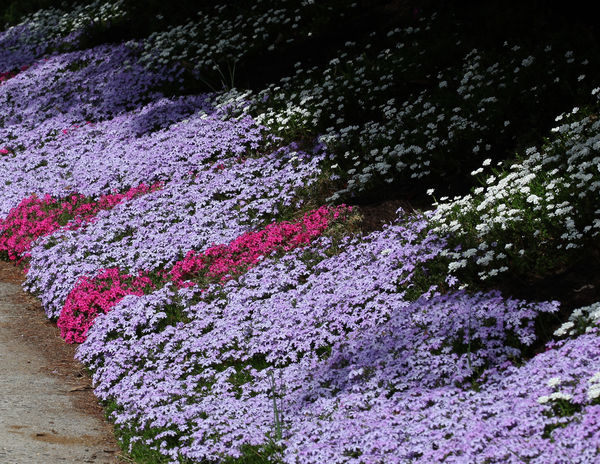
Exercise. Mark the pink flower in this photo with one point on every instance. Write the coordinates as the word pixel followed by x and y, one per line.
pixel 223 262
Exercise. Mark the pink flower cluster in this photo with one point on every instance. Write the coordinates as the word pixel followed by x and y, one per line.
pixel 98 295
pixel 35 217
pixel 4 76
pixel 93 296
pixel 223 262
pixel 74 127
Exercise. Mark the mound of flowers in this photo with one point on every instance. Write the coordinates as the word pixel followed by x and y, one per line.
pixel 221 202
pixel 536 215
pixel 36 217
pixel 227 319
pixel 98 295
pixel 47 31
pixel 323 358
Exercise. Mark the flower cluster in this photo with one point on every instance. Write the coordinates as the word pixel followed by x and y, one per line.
pixel 36 217
pixel 402 112
pixel 222 262
pixel 214 46
pixel 93 296
pixel 533 215
pixel 582 320
pixel 164 140
pixel 332 338
pixel 52 29
pixel 220 203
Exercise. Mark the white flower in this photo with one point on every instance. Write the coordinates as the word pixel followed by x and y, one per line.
pixel 560 396
pixel 554 381
pixel 527 61
pixel 593 392
pixel 563 329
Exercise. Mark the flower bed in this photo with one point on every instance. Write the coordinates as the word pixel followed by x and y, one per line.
pixel 36 217
pixel 94 296
pixel 227 317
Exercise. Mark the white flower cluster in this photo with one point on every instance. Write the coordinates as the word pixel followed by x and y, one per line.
pixel 211 45
pixel 50 25
pixel 96 13
pixel 553 383
pixel 582 320
pixel 593 392
pixel 388 107
pixel 378 137
pixel 554 397
pixel 546 204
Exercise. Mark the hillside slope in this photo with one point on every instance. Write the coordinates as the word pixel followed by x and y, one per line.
pixel 314 232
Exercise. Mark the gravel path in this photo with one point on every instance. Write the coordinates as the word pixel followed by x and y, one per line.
pixel 48 413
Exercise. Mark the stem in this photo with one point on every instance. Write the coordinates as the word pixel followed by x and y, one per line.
pixel 469 344
pixel 275 409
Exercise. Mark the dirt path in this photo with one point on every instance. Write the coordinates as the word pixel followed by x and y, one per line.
pixel 48 413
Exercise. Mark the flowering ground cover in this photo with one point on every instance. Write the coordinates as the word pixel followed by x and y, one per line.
pixel 176 200
pixel 91 297
pixel 36 217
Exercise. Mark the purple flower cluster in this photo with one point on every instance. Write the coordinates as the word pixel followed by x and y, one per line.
pixel 92 84
pixel 154 231
pixel 501 422
pixel 52 29
pixel 19 46
pixel 348 350
pixel 359 373
pixel 93 158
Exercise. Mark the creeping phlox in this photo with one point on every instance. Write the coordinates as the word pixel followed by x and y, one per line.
pixel 222 262
pixel 36 217
pixel 220 332
pixel 48 30
pixel 348 360
pixel 219 203
pixel 165 140
pixel 98 295
pixel 91 297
